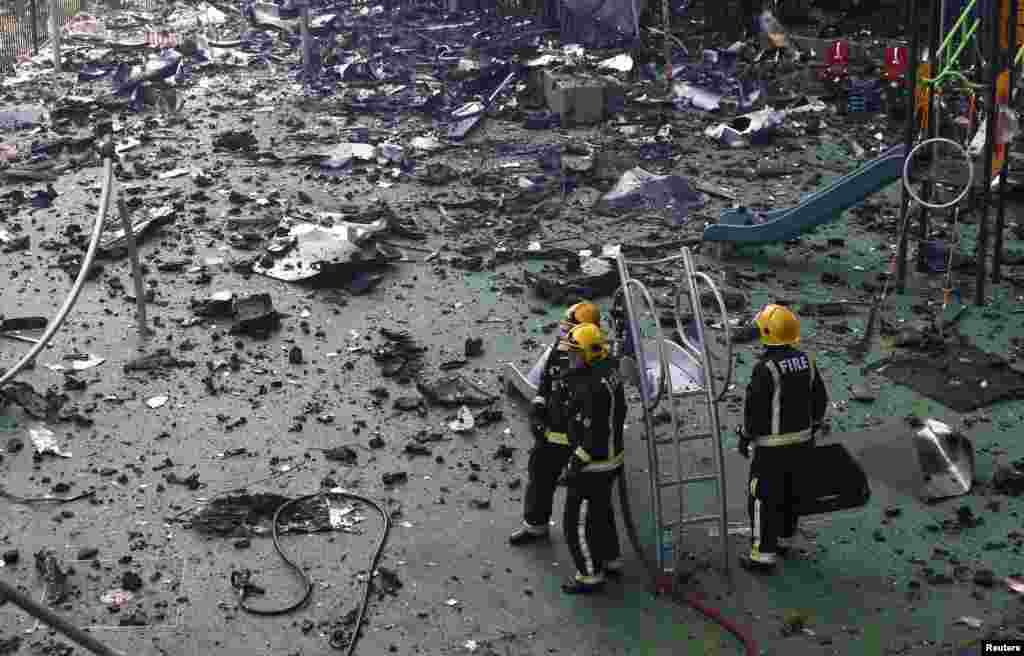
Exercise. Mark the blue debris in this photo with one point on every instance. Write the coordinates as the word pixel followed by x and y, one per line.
pixel 128 79
pixel 542 121
pixel 21 117
pixel 638 189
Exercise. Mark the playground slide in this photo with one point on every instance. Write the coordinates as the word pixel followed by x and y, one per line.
pixel 745 226
pixel 685 371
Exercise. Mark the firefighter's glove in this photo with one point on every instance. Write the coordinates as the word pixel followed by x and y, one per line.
pixel 538 409
pixel 744 445
pixel 572 471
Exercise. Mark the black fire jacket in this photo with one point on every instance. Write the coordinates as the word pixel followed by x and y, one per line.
pixel 785 398
pixel 597 415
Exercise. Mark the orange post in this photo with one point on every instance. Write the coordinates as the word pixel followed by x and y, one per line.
pixel 924 71
pixel 1004 11
pixel 1002 100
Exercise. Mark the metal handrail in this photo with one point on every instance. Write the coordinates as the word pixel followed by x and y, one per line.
pixel 716 428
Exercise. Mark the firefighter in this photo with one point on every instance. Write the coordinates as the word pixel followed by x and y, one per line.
pixel 785 405
pixel 597 413
pixel 549 421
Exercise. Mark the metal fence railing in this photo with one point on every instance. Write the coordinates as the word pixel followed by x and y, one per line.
pixel 25 24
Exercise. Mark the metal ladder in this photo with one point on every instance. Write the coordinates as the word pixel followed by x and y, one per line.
pixel 684 373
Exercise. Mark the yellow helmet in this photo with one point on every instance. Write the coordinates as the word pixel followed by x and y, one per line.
pixel 778 325
pixel 582 312
pixel 587 339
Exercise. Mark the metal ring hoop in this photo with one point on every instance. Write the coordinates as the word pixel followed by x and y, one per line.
pixel 960 196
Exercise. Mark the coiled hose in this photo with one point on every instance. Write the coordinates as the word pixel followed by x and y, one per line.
pixel 339 640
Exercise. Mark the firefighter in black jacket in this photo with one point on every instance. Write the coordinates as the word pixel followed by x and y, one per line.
pixel 597 417
pixel 549 420
pixel 785 404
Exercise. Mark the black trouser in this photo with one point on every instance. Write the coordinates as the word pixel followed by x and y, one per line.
pixel 772 493
pixel 547 460
pixel 589 522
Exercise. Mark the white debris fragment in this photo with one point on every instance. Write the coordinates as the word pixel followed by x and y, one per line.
pixel 117 598
pixel 155 402
pixel 426 143
pixel 45 441
pixel 78 365
pixel 622 63
pixel 971 622
pixel 174 173
pixel 465 422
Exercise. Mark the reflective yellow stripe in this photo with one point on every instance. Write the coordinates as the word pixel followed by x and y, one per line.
pixel 582 454
pixel 590 580
pixel 776 397
pixel 605 465
pixel 581 534
pixel 557 438
pixel 785 439
pixel 755 533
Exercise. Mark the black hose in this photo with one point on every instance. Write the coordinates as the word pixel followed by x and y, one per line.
pixel 378 552
pixel 337 641
pixel 627 519
pixel 272 612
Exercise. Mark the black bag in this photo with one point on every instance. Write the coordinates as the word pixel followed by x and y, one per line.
pixel 832 481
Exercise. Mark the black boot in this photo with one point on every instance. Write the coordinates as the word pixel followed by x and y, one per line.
pixel 576 586
pixel 613 570
pixel 527 535
pixel 756 566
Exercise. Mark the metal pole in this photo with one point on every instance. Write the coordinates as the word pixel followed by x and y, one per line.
pixel 19 21
pixel 666 24
pixel 981 248
pixel 133 253
pixel 55 32
pixel 938 15
pixel 307 41
pixel 997 249
pixel 35 26
pixel 914 19
pixel 940 60
pixel 45 615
